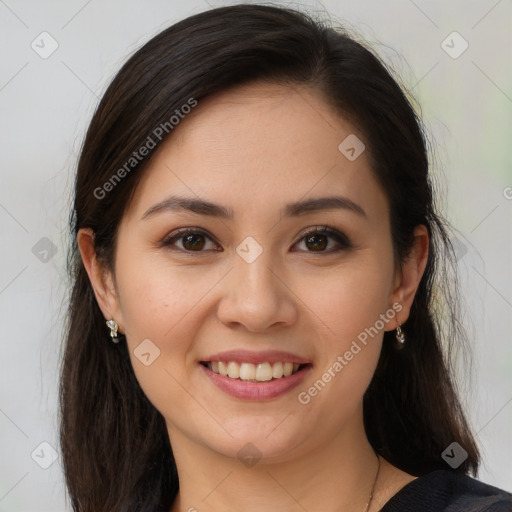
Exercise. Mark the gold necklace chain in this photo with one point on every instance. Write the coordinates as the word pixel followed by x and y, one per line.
pixel 373 487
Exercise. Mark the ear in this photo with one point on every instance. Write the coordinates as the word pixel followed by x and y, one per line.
pixel 408 279
pixel 101 278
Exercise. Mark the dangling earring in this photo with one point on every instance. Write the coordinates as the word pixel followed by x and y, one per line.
pixel 400 337
pixel 113 330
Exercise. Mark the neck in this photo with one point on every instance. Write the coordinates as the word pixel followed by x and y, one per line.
pixel 337 475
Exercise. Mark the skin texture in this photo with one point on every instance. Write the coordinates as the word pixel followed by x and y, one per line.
pixel 254 149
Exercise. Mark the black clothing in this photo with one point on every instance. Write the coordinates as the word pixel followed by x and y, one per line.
pixel 448 491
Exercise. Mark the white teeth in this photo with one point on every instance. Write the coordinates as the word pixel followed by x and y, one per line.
pixel 247 371
pixel 233 370
pixel 287 369
pixel 261 372
pixel 222 369
pixel 277 370
pixel 264 372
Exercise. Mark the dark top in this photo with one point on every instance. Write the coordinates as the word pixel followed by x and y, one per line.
pixel 448 491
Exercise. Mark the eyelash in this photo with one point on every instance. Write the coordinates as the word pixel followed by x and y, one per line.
pixel 342 239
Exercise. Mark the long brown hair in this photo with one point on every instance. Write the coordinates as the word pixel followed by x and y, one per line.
pixel 115 446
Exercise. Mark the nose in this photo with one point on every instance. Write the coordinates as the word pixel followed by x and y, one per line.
pixel 256 296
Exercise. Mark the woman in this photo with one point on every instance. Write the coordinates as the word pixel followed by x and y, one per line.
pixel 255 317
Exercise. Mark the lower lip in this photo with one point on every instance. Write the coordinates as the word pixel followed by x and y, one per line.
pixel 256 390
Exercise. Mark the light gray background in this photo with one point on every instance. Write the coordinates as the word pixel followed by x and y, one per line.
pixel 45 107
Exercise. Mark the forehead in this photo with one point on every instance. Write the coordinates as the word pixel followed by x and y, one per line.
pixel 257 145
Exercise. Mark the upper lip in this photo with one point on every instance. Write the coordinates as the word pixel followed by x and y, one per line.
pixel 247 356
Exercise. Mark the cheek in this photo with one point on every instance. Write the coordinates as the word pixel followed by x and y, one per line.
pixel 348 300
pixel 348 305
pixel 157 294
pixel 161 305
pixel 350 344
pixel 166 303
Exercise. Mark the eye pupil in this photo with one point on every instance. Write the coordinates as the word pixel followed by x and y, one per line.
pixel 194 245
pixel 310 240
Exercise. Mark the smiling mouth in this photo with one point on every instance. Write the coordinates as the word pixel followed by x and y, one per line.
pixel 261 372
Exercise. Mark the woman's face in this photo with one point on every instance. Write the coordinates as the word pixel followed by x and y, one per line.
pixel 256 280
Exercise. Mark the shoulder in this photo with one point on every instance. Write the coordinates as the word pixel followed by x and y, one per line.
pixel 449 491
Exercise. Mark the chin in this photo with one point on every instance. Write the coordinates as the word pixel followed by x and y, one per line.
pixel 260 439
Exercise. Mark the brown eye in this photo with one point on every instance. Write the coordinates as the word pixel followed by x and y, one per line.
pixel 317 240
pixel 192 240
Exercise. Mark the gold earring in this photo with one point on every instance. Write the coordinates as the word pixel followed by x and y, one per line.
pixel 113 330
pixel 400 337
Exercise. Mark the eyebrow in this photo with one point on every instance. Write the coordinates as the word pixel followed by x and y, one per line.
pixel 296 209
